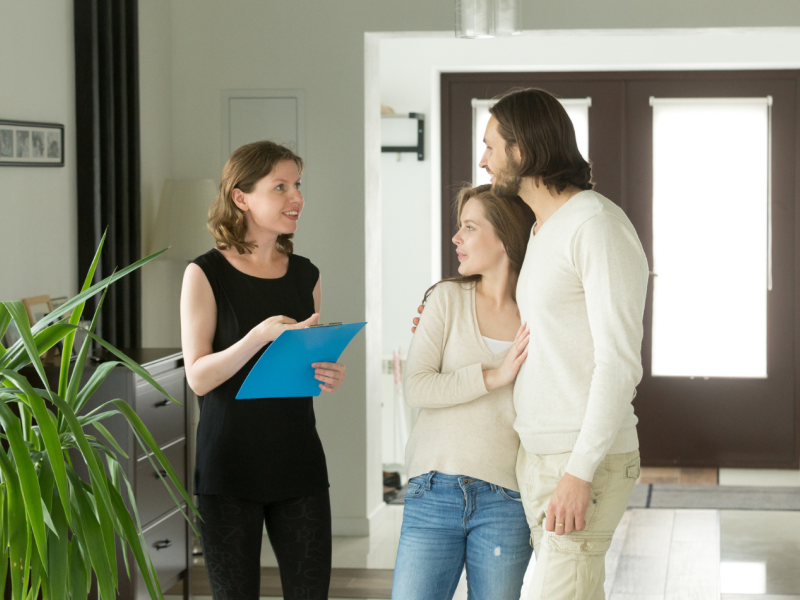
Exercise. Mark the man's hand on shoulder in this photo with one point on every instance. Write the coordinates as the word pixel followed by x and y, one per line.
pixel 415 320
pixel 567 509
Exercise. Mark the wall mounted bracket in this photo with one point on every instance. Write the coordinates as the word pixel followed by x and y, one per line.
pixel 419 149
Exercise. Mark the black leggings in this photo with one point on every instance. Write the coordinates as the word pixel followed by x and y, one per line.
pixel 300 533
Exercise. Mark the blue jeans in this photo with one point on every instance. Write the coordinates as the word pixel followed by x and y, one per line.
pixel 453 520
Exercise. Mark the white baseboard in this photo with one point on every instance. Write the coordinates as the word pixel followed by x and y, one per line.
pixel 359 526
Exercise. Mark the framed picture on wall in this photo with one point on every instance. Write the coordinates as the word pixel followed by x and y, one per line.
pixel 11 335
pixel 37 307
pixel 24 144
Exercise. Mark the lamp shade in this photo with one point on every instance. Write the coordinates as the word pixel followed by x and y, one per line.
pixel 487 18
pixel 182 217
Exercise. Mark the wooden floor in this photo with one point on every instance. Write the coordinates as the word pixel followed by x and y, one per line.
pixel 345 583
pixel 679 475
pixel 656 554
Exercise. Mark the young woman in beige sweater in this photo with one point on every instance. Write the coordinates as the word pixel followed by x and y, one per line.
pixel 463 504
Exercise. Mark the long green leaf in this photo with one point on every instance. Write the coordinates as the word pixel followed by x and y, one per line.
pixel 93 538
pixel 37 572
pixel 110 438
pixel 44 340
pixel 92 461
pixel 20 316
pixel 78 580
pixel 3 514
pixel 28 481
pixel 26 570
pixel 3 567
pixel 83 296
pixel 94 416
pixel 177 502
pixel 5 321
pixel 58 554
pixel 74 319
pixel 106 519
pixel 17 349
pixel 132 366
pixel 48 430
pixel 17 525
pixel 46 485
pixel 114 486
pixel 90 387
pixel 80 361
pixel 141 430
pixel 132 535
pixel 135 511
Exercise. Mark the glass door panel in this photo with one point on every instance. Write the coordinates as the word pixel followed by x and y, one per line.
pixel 710 237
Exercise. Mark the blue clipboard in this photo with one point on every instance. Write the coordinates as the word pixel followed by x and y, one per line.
pixel 284 370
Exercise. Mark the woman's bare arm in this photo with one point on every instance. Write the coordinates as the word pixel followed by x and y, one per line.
pixel 317 293
pixel 206 369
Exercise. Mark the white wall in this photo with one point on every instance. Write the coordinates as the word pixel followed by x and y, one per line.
pixel 320 47
pixel 38 205
pixel 161 278
pixel 410 69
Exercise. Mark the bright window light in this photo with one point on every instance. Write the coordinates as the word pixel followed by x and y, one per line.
pixel 742 578
pixel 577 109
pixel 710 237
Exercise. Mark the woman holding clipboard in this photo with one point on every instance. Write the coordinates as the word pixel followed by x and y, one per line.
pixel 258 461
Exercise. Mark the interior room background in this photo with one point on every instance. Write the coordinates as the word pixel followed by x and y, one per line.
pixel 349 57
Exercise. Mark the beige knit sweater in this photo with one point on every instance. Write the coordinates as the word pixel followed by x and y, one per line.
pixel 461 428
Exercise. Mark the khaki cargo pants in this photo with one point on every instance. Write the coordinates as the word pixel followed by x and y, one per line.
pixel 572 567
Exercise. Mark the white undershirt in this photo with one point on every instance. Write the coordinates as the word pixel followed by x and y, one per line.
pixel 496 346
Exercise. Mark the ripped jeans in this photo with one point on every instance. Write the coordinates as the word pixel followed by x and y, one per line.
pixel 454 520
pixel 573 566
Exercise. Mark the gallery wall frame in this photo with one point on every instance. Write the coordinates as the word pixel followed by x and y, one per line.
pixel 28 144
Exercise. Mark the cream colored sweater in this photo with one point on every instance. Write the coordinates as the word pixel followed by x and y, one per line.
pixel 582 291
pixel 461 428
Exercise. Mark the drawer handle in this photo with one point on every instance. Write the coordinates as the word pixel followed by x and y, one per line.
pixel 162 473
pixel 164 402
pixel 163 544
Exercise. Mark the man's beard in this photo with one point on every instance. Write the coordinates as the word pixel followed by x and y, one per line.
pixel 507 182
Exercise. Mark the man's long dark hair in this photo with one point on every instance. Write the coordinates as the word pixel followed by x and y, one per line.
pixel 536 121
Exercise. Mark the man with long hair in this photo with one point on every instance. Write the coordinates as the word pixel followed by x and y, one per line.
pixel 582 291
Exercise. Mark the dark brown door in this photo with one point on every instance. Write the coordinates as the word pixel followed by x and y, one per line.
pixel 693 422
pixel 721 422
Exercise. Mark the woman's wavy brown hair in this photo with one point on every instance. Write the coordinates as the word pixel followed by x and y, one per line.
pixel 244 168
pixel 512 221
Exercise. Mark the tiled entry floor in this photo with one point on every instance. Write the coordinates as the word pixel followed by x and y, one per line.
pixel 656 555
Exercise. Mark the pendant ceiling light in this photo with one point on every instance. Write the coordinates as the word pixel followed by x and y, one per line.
pixel 487 18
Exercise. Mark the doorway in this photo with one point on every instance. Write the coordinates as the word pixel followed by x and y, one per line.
pixel 694 410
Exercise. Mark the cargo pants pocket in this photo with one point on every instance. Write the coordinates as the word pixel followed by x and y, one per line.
pixel 572 567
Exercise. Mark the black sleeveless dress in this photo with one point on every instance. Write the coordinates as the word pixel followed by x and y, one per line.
pixel 262 449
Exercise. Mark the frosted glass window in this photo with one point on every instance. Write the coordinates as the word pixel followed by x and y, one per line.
pixel 577 109
pixel 710 237
pixel 743 578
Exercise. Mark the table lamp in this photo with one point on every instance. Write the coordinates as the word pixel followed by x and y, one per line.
pixel 182 217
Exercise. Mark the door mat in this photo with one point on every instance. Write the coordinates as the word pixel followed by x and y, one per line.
pixel 719 497
pixel 345 583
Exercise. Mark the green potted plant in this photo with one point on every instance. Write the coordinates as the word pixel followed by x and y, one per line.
pixel 55 529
